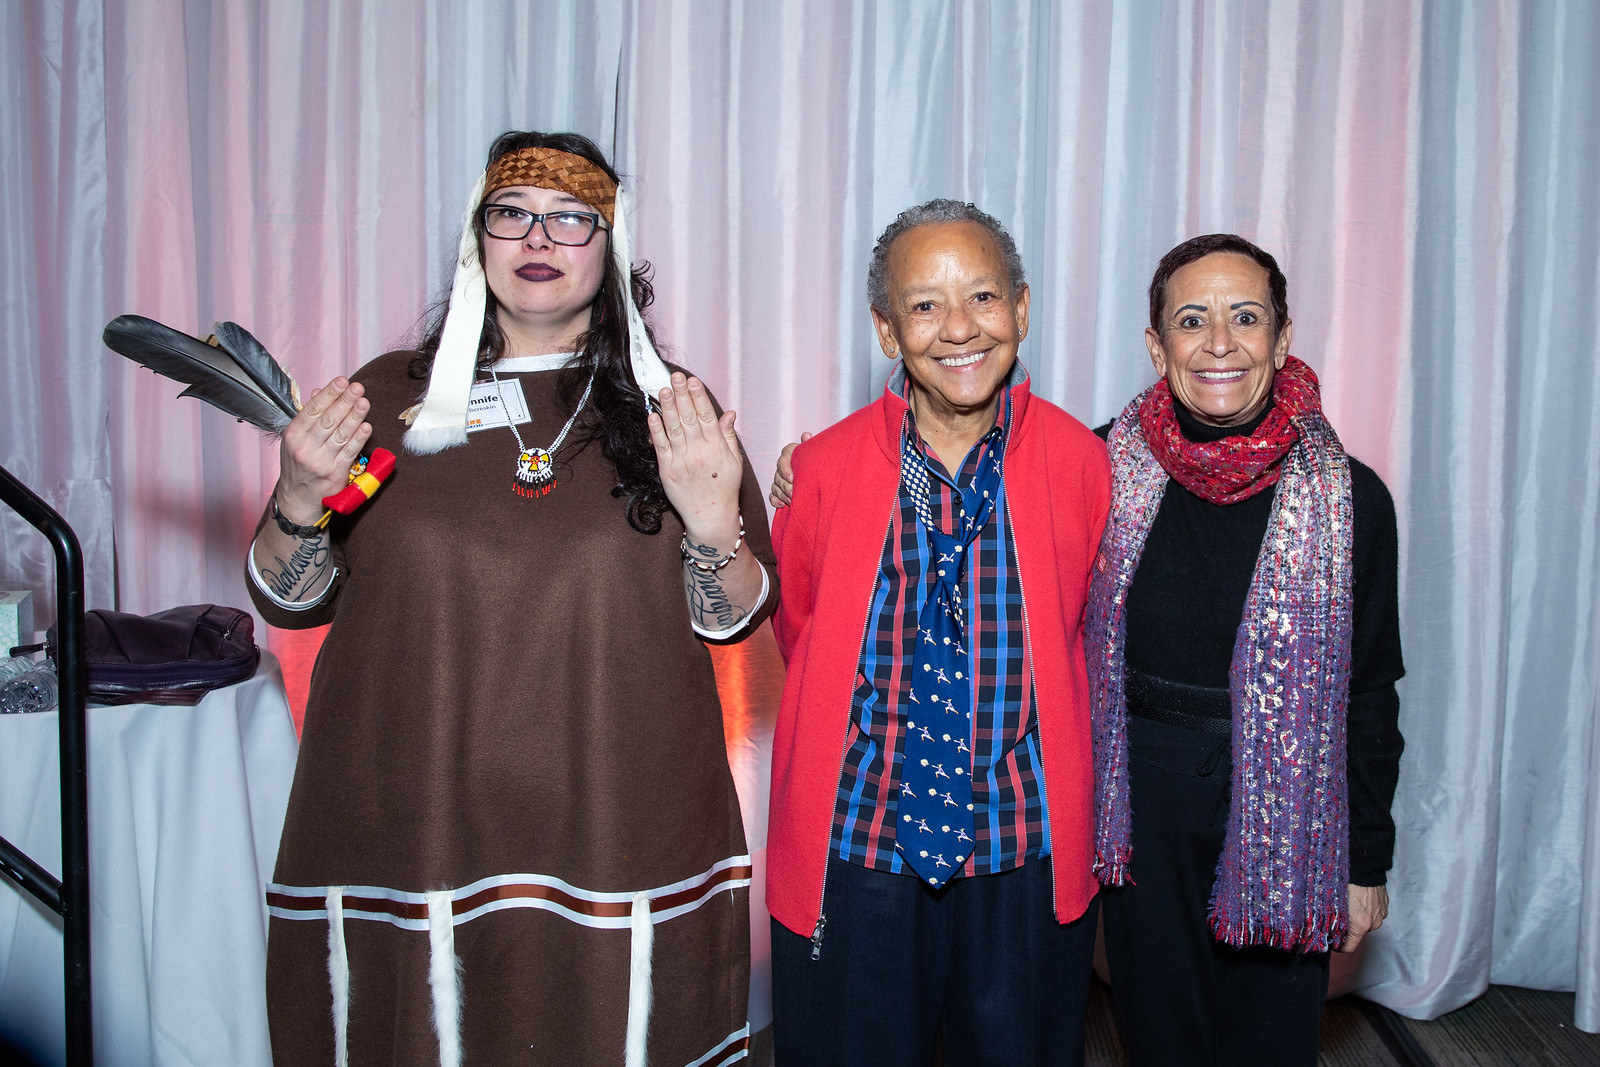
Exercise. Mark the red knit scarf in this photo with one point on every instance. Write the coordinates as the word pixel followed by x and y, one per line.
pixel 1234 468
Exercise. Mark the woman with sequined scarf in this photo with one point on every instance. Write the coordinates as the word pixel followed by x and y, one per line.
pixel 1243 645
pixel 513 835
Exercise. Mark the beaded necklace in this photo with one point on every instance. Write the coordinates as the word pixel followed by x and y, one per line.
pixel 536 471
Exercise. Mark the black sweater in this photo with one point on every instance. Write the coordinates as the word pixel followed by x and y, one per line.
pixel 1187 598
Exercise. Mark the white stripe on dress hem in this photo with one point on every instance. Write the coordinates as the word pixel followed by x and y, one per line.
pixel 617 904
pixel 742 1034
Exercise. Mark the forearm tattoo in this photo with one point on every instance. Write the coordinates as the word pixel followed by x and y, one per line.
pixel 708 600
pixel 294 576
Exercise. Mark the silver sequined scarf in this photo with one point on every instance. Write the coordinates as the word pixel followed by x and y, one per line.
pixel 1282 878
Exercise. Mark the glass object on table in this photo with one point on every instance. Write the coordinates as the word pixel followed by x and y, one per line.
pixel 32 690
pixel 15 665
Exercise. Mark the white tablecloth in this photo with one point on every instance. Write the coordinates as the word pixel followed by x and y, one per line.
pixel 185 809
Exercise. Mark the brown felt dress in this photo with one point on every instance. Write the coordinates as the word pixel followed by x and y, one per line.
pixel 510 705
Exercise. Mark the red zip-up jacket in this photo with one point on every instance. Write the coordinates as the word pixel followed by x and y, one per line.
pixel 829 542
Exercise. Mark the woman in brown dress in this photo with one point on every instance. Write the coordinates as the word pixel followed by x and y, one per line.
pixel 513 836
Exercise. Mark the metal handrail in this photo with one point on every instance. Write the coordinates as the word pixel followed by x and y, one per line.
pixel 68 897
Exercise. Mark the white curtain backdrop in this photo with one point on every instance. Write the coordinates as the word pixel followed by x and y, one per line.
pixel 1425 171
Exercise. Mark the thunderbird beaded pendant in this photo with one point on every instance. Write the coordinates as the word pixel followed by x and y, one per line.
pixel 536 467
pixel 536 473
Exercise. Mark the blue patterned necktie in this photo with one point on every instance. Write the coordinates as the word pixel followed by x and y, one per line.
pixel 934 834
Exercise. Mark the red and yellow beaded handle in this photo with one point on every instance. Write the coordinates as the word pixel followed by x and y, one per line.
pixel 367 474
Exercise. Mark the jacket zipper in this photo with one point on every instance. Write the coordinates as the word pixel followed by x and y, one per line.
pixel 822 921
pixel 844 750
pixel 1033 692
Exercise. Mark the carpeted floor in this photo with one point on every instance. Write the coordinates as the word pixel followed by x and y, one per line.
pixel 1506 1027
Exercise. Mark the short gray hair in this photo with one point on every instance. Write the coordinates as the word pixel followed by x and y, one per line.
pixel 935 211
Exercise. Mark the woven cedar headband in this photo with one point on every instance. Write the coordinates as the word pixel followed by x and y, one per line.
pixel 441 420
pixel 550 168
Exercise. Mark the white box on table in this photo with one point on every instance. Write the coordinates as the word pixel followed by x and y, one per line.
pixel 16 620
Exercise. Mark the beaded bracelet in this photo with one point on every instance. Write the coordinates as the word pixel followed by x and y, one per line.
pixel 717 564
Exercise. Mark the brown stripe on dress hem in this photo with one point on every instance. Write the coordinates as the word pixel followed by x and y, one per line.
pixel 593 908
pixel 598 909
pixel 732 1054
pixel 685 896
pixel 296 903
pixel 398 908
pixel 519 891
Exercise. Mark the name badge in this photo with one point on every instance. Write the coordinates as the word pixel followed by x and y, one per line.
pixel 484 410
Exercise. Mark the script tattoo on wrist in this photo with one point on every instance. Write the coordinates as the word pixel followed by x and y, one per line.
pixel 310 558
pixel 708 600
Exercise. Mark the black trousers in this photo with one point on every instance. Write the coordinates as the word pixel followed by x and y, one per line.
pixel 980 962
pixel 1180 997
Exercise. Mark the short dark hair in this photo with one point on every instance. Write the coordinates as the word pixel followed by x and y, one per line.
pixel 936 211
pixel 1207 244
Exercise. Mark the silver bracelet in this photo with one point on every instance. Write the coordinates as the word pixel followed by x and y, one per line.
pixel 717 564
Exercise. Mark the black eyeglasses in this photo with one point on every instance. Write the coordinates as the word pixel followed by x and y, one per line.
pixel 510 223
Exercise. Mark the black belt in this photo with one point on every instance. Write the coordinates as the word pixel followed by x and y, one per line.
pixel 1190 707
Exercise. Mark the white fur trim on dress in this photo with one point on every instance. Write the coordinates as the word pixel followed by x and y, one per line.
pixel 649 373
pixel 444 976
pixel 339 977
pixel 442 422
pixel 644 932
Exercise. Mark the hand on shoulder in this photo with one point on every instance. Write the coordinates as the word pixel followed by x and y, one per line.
pixel 783 477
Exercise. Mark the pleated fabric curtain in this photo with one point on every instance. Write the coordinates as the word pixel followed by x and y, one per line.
pixel 1499 806
pixel 1423 170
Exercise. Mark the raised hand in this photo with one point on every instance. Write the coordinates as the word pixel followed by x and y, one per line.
pixel 318 447
pixel 700 461
pixel 701 468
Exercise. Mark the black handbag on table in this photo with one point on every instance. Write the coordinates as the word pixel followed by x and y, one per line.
pixel 175 656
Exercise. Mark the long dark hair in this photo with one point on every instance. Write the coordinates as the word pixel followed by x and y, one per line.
pixel 616 405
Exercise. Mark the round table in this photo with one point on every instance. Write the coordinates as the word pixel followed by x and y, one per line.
pixel 185 808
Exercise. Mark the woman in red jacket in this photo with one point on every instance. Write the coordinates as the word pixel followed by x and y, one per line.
pixel 930 845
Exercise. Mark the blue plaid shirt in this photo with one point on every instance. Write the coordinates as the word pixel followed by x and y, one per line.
pixel 1008 802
